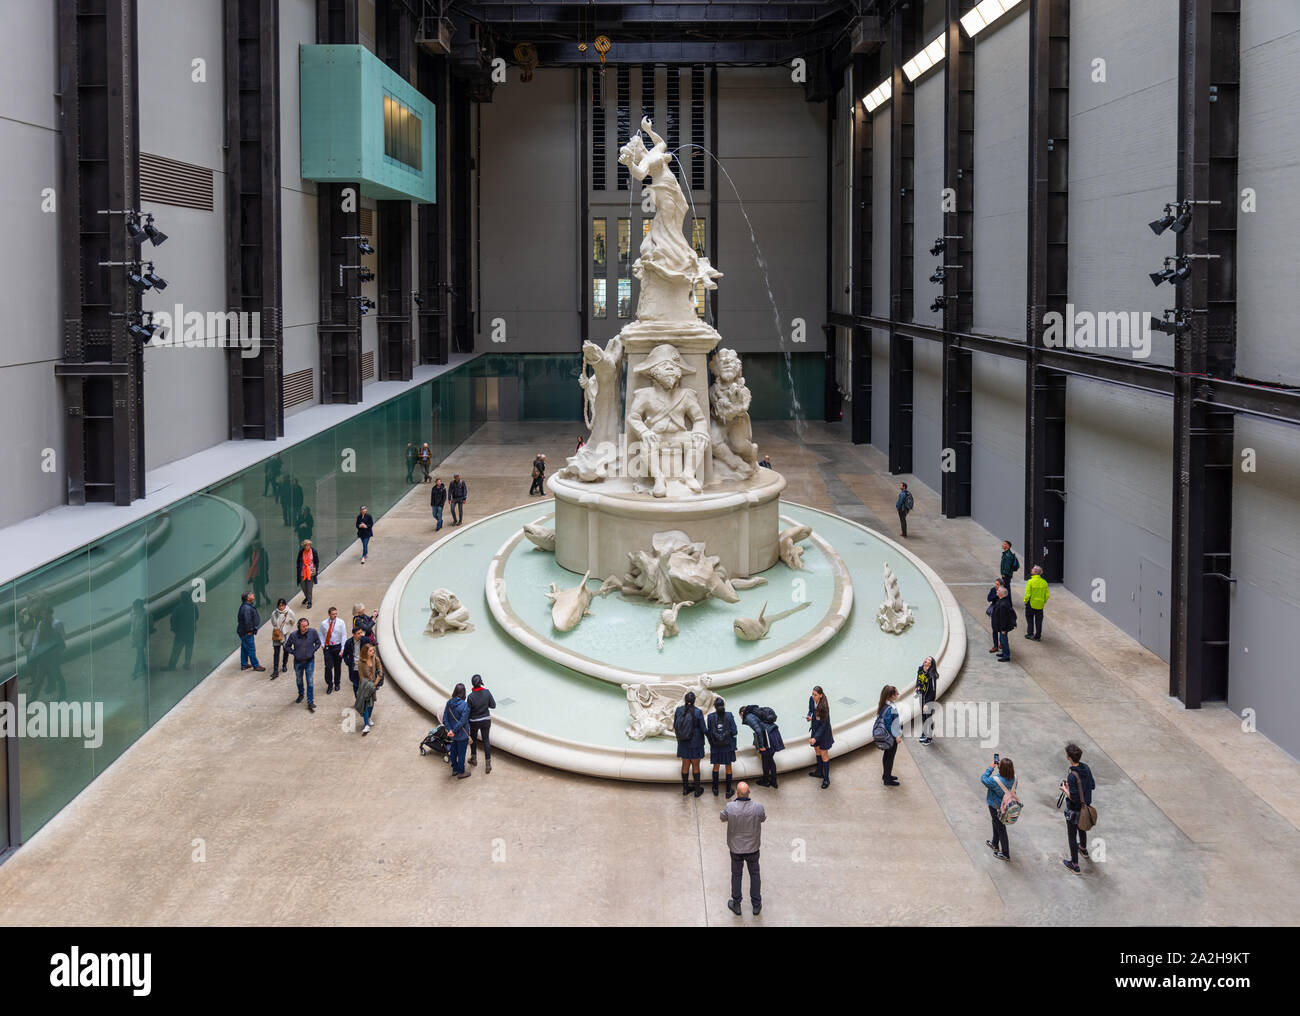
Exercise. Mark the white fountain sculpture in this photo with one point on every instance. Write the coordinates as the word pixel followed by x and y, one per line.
pixel 894 616
pixel 652 705
pixel 675 453
pixel 447 614
pixel 788 544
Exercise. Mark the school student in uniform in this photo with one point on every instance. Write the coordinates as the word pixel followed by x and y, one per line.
pixel 721 732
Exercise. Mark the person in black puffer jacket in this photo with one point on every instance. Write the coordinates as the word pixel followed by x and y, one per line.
pixel 480 722
pixel 1077 787
pixel 688 725
pixel 767 739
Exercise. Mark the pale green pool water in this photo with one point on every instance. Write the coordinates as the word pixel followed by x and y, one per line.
pixel 547 697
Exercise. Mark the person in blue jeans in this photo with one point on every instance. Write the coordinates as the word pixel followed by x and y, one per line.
pixel 437 499
pixel 998 778
pixel 365 530
pixel 1004 620
pixel 303 645
pixel 246 628
pixel 455 717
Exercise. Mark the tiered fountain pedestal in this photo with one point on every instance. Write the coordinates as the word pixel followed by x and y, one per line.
pixel 596 524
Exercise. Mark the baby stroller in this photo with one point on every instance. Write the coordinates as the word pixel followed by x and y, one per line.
pixel 438 742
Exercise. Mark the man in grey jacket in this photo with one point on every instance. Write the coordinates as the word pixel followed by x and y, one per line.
pixel 744 820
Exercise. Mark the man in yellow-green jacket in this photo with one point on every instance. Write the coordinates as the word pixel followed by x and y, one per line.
pixel 1036 595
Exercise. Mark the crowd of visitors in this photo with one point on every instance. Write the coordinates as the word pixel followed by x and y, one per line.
pixel 467 716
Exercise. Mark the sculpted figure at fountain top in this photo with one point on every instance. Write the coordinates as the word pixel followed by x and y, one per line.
pixel 668 266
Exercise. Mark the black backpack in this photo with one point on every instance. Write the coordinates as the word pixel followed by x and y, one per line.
pixel 684 723
pixel 767 714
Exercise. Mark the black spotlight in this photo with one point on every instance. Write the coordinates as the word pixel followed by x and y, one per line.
pixel 156 236
pixel 937 276
pixel 137 279
pixel 133 230
pixel 155 280
pixel 1164 222
pixel 938 304
pixel 1183 270
pixel 1184 219
pixel 364 247
pixel 419 300
pixel 366 275
pixel 1175 326
pixel 143 329
pixel 939 246
pixel 1166 274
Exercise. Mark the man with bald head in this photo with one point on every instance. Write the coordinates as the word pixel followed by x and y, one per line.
pixel 744 820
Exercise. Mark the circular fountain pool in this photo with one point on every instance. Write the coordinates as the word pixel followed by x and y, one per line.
pixel 561 716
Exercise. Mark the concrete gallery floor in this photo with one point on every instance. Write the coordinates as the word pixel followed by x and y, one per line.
pixel 241 808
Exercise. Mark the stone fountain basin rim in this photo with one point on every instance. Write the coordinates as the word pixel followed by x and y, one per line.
pixel 632 762
pixel 627 504
pixel 790 652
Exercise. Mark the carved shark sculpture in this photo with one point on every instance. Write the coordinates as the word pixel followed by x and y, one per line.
pixel 569 606
pixel 540 537
pixel 751 629
pixel 788 545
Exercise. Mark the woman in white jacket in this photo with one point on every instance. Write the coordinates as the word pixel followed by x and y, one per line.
pixel 282 623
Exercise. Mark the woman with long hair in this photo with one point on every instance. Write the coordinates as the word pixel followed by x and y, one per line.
pixel 819 736
pixel 365 698
pixel 889 713
pixel 688 725
pixel 927 690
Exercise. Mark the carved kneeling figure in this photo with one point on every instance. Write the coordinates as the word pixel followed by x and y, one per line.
pixel 448 614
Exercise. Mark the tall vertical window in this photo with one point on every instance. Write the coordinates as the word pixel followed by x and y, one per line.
pixel 624 119
pixel 599 267
pixel 597 134
pixel 624 246
pixel 648 92
pixel 674 101
pixel 625 268
pixel 698 233
pixel 402 133
pixel 697 127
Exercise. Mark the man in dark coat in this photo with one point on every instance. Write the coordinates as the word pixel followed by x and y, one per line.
pixel 246 626
pixel 303 645
pixel 459 494
pixel 437 498
pixel 904 503
pixel 1008 565
pixel 1004 621
pixel 539 475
